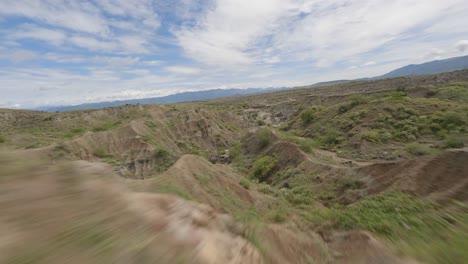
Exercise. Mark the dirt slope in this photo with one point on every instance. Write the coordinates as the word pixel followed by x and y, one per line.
pixel 196 178
pixel 440 177
pixel 75 213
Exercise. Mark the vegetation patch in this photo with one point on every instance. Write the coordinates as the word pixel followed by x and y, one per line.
pixel 101 152
pixel 300 195
pixel 245 183
pixel 264 167
pixel 59 151
pixel 204 179
pixel 331 137
pixel 171 188
pixel 74 132
pixel 106 126
pixel 456 92
pixel 264 137
pixel 307 116
pixel 454 142
pixel 417 149
pixel 268 189
pixel 278 215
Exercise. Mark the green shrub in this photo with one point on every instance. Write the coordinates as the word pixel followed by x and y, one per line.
pixel 235 151
pixel 307 116
pixel 307 145
pixel 106 126
pixel 414 226
pixel 351 182
pixel 456 92
pixel 332 137
pixel 354 101
pixel 300 195
pixel 344 108
pixel 395 96
pixel 387 214
pixel 2 139
pixel 263 167
pixel 289 175
pixel 357 100
pixel 268 189
pixel 449 119
pixel 159 152
pixel 74 132
pixel 418 149
pixel 264 137
pixel 377 136
pixel 278 215
pixel 454 142
pixel 245 183
pixel 101 153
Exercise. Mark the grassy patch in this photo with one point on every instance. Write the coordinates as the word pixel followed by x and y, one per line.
pixel 101 152
pixel 268 189
pixel 264 137
pixel 306 144
pixel 74 132
pixel 300 195
pixel 58 152
pixel 454 142
pixel 308 115
pixel 204 179
pixel 456 92
pixel 247 216
pixel 264 167
pixel 171 188
pixel 418 228
pixel 331 137
pixel 245 183
pixel 417 149
pixel 2 139
pixel 278 215
pixel 106 126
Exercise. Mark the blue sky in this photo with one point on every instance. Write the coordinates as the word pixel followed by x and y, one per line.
pixel 59 52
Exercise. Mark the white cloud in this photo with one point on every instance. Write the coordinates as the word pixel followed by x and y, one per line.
pixel 182 70
pixel 141 10
pixel 22 55
pixel 225 33
pixel 92 43
pixel 74 15
pixel 105 26
pixel 369 63
pixel 56 37
pixel 241 31
pixel 153 62
pixel 462 45
pixel 124 44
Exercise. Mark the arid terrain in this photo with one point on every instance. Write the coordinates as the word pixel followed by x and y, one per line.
pixel 357 172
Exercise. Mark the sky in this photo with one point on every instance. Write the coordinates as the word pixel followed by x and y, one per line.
pixel 65 52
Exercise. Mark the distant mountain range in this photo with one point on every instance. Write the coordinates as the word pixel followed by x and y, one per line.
pixel 174 98
pixel 432 67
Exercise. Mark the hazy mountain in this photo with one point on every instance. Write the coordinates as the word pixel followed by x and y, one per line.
pixel 174 98
pixel 330 83
pixel 432 67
